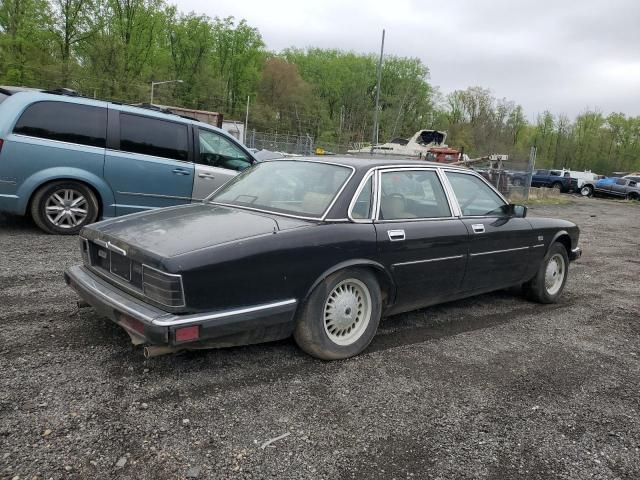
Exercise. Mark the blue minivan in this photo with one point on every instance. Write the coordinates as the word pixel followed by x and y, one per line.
pixel 68 160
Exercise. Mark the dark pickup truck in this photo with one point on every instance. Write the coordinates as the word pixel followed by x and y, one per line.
pixel 547 178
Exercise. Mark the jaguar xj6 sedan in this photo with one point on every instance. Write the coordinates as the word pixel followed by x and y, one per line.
pixel 320 250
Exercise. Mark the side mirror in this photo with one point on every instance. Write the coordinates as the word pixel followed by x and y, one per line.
pixel 519 211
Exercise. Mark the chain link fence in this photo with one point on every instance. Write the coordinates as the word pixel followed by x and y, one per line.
pixel 281 142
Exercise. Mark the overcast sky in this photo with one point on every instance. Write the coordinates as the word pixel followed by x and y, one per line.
pixel 561 55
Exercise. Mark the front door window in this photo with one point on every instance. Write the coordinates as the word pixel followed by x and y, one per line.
pixel 217 151
pixel 475 197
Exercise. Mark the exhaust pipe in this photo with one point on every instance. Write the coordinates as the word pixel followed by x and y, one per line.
pixel 152 351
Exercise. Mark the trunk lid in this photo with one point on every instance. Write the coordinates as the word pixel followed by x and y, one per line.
pixel 173 231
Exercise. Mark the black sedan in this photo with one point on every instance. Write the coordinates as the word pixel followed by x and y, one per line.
pixel 320 250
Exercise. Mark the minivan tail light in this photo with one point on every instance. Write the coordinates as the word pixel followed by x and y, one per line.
pixel 1 142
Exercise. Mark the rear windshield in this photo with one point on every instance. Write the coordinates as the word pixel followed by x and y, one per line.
pixel 3 97
pixel 292 186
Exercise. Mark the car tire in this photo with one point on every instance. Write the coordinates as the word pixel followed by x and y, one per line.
pixel 518 182
pixel 557 186
pixel 586 191
pixel 551 277
pixel 341 316
pixel 64 207
pixel 633 196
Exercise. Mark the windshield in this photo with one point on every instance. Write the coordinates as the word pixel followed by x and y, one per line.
pixel 294 187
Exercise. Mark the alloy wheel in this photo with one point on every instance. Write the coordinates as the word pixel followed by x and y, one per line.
pixel 347 312
pixel 66 208
pixel 554 274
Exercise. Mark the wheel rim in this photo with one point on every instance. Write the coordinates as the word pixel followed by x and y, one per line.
pixel 347 312
pixel 66 208
pixel 557 186
pixel 554 274
pixel 586 191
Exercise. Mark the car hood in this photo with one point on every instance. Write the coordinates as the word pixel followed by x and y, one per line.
pixel 172 231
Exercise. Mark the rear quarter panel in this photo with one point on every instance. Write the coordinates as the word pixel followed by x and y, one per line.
pixel 269 268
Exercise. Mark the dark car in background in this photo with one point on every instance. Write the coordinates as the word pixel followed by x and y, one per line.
pixel 318 250
pixel 546 178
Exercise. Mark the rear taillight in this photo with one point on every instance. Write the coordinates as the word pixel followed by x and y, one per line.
pixel 1 142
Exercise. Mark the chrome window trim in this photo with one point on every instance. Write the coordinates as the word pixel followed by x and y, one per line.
pixel 369 175
pixel 175 320
pixel 428 260
pixel 477 175
pixel 506 250
pixel 320 218
pixel 404 168
pixel 538 246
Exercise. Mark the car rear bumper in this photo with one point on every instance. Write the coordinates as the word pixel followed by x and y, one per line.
pixel 148 324
pixel 575 253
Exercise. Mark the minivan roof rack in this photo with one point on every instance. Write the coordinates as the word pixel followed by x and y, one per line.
pixel 158 108
pixel 63 91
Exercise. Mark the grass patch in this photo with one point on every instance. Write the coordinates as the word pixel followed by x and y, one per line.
pixel 546 201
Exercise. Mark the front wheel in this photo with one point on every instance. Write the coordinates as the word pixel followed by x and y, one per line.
pixel 549 282
pixel 586 191
pixel 64 207
pixel 341 316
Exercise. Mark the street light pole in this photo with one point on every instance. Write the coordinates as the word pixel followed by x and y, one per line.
pixel 153 84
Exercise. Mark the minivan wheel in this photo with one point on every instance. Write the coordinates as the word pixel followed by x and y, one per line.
pixel 549 282
pixel 64 207
pixel 341 316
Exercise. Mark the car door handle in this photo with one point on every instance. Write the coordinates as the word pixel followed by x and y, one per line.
pixel 181 171
pixel 208 176
pixel 478 228
pixel 396 235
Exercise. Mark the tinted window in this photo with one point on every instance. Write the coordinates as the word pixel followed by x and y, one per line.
pixel 3 97
pixel 474 196
pixel 151 136
pixel 217 151
pixel 542 172
pixel 362 207
pixel 621 181
pixel 66 122
pixel 412 194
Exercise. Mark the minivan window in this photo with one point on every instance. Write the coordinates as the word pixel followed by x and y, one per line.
pixel 152 136
pixel 217 151
pixel 65 122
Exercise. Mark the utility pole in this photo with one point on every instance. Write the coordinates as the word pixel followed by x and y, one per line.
pixel 530 166
pixel 246 122
pixel 374 137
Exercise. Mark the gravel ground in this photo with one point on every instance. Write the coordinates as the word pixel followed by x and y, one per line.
pixel 490 387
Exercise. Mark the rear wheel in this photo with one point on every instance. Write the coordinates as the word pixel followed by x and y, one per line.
pixel 633 196
pixel 586 191
pixel 341 316
pixel 557 186
pixel 518 182
pixel 549 282
pixel 64 207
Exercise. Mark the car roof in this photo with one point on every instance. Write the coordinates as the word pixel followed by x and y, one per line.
pixel 372 162
pixel 27 97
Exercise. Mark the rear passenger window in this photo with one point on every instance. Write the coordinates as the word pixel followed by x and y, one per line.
pixel 152 136
pixel 65 122
pixel 412 194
